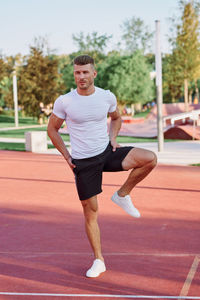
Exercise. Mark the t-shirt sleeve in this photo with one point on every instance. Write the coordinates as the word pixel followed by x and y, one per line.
pixel 58 109
pixel 113 102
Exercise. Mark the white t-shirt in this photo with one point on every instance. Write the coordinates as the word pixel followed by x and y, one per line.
pixel 86 119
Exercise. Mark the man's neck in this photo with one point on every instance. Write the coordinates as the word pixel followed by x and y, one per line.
pixel 86 92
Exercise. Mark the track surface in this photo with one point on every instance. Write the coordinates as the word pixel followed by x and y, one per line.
pixel 44 252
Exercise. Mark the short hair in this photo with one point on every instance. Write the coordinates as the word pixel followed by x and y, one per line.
pixel 83 60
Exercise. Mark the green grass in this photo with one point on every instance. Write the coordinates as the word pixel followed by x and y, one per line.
pixel 9 121
pixel 142 114
pixel 12 146
pixel 19 133
pixel 16 146
pixel 196 165
pixel 130 139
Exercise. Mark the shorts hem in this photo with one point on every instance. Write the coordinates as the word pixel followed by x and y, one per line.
pixel 90 196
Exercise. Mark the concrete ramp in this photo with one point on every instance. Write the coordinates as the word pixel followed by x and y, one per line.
pixel 171 109
pixel 147 128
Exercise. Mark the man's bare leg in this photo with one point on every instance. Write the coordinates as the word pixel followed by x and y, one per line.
pixel 142 162
pixel 90 209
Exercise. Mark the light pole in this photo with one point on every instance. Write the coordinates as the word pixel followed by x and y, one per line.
pixel 159 89
pixel 15 99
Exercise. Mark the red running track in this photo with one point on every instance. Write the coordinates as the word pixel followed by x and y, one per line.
pixel 44 252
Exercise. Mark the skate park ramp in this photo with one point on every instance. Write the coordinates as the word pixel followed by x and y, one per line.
pixel 183 128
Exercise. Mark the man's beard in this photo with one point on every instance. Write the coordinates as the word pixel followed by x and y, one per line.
pixel 86 85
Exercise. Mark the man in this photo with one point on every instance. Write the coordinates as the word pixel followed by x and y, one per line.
pixel 94 151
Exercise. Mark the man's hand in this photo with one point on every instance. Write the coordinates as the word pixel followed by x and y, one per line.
pixel 70 163
pixel 115 145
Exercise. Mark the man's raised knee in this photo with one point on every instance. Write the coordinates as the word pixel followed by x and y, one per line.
pixel 152 159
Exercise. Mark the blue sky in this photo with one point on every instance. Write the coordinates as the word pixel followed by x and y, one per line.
pixel 23 20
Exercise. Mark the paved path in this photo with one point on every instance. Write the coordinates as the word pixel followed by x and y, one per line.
pixel 176 153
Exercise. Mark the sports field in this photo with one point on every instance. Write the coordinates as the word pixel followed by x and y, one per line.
pixel 44 250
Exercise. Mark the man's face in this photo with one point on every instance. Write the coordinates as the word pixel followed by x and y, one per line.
pixel 84 76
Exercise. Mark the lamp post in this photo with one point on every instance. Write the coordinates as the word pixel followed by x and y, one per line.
pixel 15 99
pixel 159 89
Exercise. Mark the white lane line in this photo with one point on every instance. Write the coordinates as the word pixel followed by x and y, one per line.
pixel 190 276
pixel 105 254
pixel 100 296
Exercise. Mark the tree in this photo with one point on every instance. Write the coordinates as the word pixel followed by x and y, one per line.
pixel 110 73
pixel 172 77
pixel 67 71
pixel 6 79
pixel 38 81
pixel 2 75
pixel 128 77
pixel 138 86
pixel 136 35
pixel 187 45
pixel 91 42
pixel 2 68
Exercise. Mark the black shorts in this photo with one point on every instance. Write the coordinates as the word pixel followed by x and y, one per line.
pixel 88 171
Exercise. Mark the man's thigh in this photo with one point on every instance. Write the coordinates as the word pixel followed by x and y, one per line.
pixel 88 176
pixel 136 158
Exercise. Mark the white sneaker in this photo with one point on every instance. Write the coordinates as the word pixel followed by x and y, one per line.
pixel 96 269
pixel 126 204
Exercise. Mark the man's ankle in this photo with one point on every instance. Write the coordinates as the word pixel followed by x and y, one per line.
pixel 99 257
pixel 121 193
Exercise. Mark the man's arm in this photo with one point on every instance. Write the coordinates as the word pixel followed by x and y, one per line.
pixel 52 130
pixel 115 126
